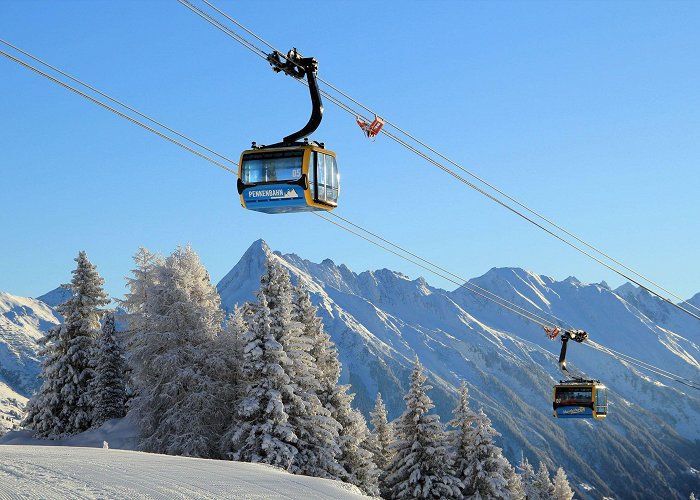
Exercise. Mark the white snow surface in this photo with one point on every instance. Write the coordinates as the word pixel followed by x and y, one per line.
pixel 29 472
pixel 120 433
pixel 79 467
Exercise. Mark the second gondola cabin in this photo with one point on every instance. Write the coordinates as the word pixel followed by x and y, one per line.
pixel 580 399
pixel 298 178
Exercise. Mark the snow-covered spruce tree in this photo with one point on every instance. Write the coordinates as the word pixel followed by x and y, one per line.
pixel 176 409
pixel 383 436
pixel 544 488
pixel 527 478
pixel 109 383
pixel 562 489
pixel 422 467
pixel 516 488
pixel 262 432
pixel 692 496
pixel 62 406
pixel 384 433
pixel 486 475
pixel 323 350
pixel 316 428
pixel 352 437
pixel 462 438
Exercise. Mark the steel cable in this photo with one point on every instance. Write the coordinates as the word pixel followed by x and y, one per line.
pixel 428 265
pixel 354 112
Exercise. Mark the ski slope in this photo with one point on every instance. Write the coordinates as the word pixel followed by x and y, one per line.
pixel 29 472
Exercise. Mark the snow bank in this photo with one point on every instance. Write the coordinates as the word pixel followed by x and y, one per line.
pixel 120 433
pixel 72 472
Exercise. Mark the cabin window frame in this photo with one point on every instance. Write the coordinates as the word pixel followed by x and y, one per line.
pixel 274 155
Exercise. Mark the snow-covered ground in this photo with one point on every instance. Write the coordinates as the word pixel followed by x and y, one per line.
pixel 71 472
pixel 78 467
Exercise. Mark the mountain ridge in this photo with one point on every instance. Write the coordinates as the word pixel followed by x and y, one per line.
pixel 381 319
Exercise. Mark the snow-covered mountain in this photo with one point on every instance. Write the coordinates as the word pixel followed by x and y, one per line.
pixel 381 320
pixel 56 296
pixel 23 321
pixel 11 408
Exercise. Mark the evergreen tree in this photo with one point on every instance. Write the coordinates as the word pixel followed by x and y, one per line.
pixel 263 432
pixel 516 489
pixel 543 485
pixel 383 437
pixel 486 474
pixel 527 476
pixel 180 318
pixel 316 428
pixel 463 438
pixel 421 467
pixel 323 351
pixel 63 406
pixel 353 439
pixel 384 433
pixel 231 345
pixel 562 489
pixel 351 435
pixel 109 396
pixel 692 496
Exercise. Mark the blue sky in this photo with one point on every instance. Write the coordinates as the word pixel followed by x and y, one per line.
pixel 587 111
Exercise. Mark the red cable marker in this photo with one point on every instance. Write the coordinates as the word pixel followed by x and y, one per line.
pixel 552 332
pixel 371 130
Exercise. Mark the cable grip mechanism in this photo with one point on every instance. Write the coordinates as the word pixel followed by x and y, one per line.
pixel 298 66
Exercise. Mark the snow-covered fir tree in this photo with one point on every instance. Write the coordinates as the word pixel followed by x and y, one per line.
pixel 543 486
pixel 262 432
pixel 383 432
pixel 352 435
pixel 323 350
pixel 462 438
pixel 317 430
pixel 63 405
pixel 486 474
pixel 168 348
pixel 353 438
pixel 516 489
pixel 109 386
pixel 383 437
pixel 283 419
pixel 692 496
pixel 527 477
pixel 562 489
pixel 422 467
